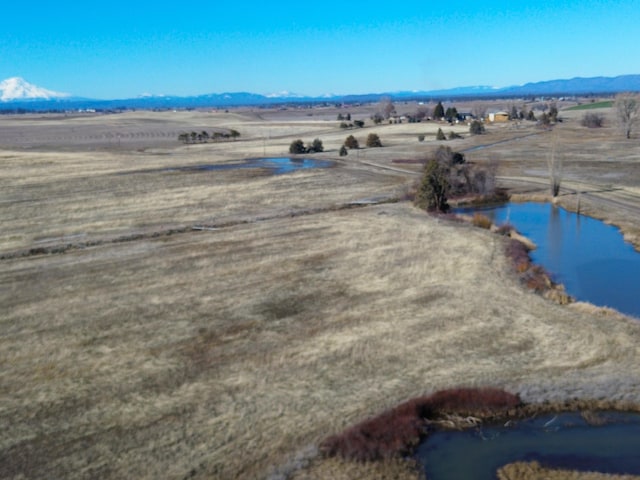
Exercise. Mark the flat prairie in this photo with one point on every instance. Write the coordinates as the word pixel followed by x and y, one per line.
pixel 163 322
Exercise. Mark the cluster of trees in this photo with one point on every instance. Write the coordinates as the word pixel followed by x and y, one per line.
pixel 441 136
pixel 447 174
pixel 351 143
pixel 356 123
pixel 298 147
pixel 423 112
pixel 626 107
pixel 204 137
pixel 386 109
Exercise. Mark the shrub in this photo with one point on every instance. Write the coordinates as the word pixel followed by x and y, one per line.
pixel 453 135
pixel 482 221
pixel 316 146
pixel 448 156
pixel 421 138
pixel 458 158
pixel 345 125
pixel 592 120
pixel 505 229
pixel 373 141
pixel 297 146
pixel 343 151
pixel 351 142
pixel 476 128
pixel 358 123
pixel 440 135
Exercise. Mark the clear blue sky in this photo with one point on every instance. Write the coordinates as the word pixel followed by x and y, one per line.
pixel 120 49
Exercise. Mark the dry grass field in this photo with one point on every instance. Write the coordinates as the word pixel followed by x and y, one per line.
pixel 146 348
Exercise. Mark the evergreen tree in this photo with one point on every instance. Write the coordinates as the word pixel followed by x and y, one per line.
pixel 351 142
pixel 316 146
pixel 297 146
pixel 434 187
pixel 373 140
pixel 451 113
pixel 438 112
pixel 476 128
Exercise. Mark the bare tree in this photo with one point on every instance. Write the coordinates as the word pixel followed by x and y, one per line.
pixel 479 110
pixel 555 166
pixel 386 108
pixel 627 107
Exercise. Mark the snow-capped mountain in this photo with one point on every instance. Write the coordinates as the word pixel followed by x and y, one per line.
pixel 284 94
pixel 17 88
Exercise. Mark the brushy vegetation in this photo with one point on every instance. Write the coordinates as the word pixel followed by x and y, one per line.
pixel 592 120
pixel 535 471
pixel 448 175
pixel 397 431
pixel 533 276
pixel 482 221
pixel 373 141
pixel 476 128
pixel 298 147
pixel 351 142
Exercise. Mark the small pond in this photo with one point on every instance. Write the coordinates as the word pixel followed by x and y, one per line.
pixel 564 441
pixel 277 165
pixel 590 258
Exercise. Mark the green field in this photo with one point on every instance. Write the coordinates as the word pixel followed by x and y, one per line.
pixel 592 106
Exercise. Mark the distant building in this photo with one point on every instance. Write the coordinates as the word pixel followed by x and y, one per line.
pixel 498 117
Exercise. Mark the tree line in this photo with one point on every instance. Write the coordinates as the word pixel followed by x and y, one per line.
pixel 204 136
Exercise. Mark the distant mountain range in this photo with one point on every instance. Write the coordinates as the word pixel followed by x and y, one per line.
pixel 16 93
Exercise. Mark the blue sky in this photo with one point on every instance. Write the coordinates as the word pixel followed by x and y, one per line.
pixel 123 49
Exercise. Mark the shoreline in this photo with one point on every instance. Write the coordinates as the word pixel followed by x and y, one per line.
pixel 389 440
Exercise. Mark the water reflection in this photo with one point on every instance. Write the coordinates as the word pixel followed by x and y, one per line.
pixel 589 257
pixel 274 165
pixel 277 165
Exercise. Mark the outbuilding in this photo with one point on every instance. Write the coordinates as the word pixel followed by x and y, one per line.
pixel 500 116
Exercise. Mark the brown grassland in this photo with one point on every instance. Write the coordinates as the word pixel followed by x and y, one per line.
pixel 134 345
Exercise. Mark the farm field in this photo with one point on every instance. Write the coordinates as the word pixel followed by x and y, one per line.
pixel 162 322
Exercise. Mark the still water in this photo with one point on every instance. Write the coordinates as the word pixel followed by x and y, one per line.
pixel 563 441
pixel 590 258
pixel 276 165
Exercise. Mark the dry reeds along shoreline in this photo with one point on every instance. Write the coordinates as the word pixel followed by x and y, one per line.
pixel 397 431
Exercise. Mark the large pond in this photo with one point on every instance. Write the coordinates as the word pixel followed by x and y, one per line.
pixel 590 258
pixel 564 441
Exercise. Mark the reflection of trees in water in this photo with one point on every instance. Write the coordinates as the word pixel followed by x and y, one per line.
pixel 554 236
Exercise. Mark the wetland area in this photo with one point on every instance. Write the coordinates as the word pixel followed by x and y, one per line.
pixel 166 314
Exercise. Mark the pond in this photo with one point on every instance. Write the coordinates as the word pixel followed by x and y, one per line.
pixel 564 441
pixel 276 165
pixel 590 258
